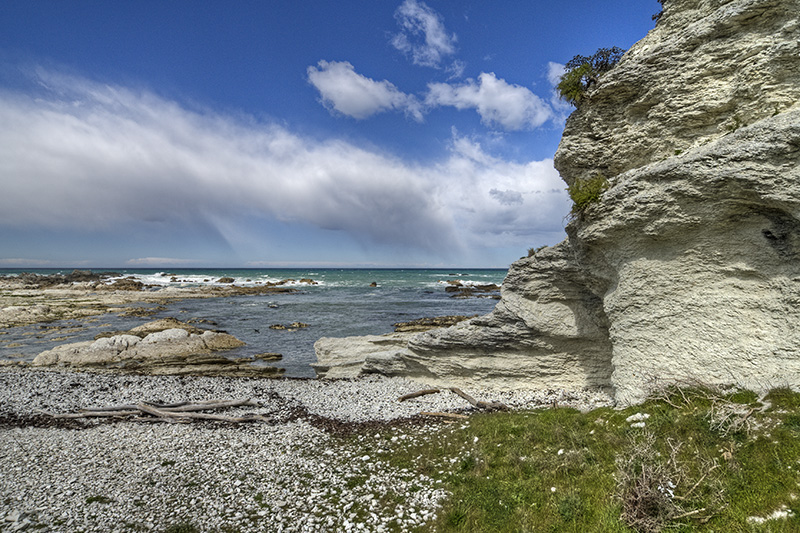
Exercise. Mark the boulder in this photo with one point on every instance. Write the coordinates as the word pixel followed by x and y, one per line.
pixel 345 357
pixel 294 326
pixel 125 284
pixel 163 324
pixel 148 349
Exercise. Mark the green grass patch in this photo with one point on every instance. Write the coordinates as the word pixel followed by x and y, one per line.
pixel 585 192
pixel 704 461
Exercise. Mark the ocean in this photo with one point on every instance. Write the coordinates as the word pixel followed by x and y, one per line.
pixel 342 303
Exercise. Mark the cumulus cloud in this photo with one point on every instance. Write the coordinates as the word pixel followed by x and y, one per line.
pixel 507 197
pixel 561 108
pixel 554 72
pixel 498 102
pixel 343 90
pixel 18 261
pixel 160 261
pixel 422 36
pixel 532 197
pixel 86 157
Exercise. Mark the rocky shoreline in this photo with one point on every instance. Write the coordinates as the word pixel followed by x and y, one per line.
pixel 317 457
pixel 316 462
pixel 33 298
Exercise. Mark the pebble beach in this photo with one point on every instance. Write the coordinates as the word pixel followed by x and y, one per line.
pixel 315 461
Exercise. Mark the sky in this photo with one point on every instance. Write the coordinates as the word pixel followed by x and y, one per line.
pixel 356 133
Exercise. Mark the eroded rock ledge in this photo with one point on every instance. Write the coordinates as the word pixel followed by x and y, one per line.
pixel 687 269
pixel 165 346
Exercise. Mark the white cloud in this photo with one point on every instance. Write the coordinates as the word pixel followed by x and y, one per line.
pixel 83 157
pixel 344 90
pixel 456 69
pixel 498 102
pixel 422 35
pixel 507 197
pixel 18 261
pixel 532 200
pixel 554 72
pixel 161 261
pixel 561 108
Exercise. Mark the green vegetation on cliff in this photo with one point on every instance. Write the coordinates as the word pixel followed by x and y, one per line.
pixel 581 72
pixel 585 192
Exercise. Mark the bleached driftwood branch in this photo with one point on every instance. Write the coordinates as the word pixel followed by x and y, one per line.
pixel 175 412
pixel 488 406
pixel 417 394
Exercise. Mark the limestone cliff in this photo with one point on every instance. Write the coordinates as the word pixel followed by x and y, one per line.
pixel 688 268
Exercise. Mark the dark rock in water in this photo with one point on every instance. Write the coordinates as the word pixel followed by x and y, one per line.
pixel 81 275
pixel 460 290
pixel 42 281
pixel 143 311
pixel 306 281
pixel 201 321
pixel 294 326
pixel 424 324
pixel 126 284
pixel 268 356
pixel 373 284
pixel 225 280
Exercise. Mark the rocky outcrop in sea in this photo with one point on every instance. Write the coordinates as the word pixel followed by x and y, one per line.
pixel 161 347
pixel 686 270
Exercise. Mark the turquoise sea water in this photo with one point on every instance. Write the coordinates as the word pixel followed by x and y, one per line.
pixel 342 304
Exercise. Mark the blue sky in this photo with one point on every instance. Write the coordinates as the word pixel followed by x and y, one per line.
pixel 369 133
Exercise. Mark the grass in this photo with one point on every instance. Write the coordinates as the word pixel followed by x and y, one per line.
pixel 705 461
pixel 585 192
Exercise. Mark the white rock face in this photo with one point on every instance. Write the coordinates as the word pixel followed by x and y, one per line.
pixel 688 269
pixel 703 284
pixel 345 357
pixel 693 249
pixel 174 347
pixel 708 68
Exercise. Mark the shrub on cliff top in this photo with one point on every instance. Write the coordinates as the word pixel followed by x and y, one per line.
pixel 581 72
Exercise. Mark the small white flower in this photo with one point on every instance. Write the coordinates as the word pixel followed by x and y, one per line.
pixel 561 451
pixel 552 489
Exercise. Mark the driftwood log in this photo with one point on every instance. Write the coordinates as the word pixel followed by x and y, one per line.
pixel 486 406
pixel 175 412
pixel 417 394
pixel 444 415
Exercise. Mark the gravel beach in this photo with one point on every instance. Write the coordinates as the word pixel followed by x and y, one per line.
pixel 315 463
